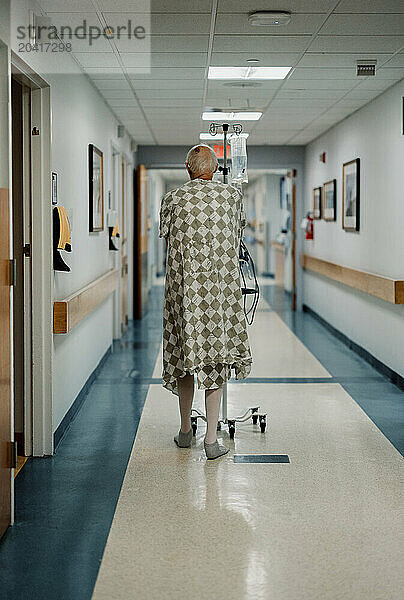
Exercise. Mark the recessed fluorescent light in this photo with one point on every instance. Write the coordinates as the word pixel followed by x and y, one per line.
pixel 218 137
pixel 231 116
pixel 248 72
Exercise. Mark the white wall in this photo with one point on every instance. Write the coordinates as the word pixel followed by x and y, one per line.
pixel 372 134
pixel 79 117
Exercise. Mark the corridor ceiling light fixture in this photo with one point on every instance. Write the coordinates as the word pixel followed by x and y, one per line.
pixel 219 137
pixel 271 18
pixel 231 116
pixel 248 72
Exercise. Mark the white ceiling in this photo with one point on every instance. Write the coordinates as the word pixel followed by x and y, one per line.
pixel 322 43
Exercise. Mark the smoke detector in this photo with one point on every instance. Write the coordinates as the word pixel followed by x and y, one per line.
pixel 366 68
pixel 265 18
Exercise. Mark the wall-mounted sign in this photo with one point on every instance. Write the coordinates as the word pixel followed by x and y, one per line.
pixel 218 149
pixel 54 188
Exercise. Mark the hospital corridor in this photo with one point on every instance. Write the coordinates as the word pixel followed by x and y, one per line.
pixel 201 300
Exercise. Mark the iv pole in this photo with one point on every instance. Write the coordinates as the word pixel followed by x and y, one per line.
pixel 251 412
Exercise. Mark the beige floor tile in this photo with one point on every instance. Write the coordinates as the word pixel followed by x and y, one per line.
pixel 327 526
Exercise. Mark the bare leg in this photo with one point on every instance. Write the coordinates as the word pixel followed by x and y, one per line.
pixel 212 404
pixel 186 396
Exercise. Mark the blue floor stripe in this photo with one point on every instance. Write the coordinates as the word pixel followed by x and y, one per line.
pixel 65 504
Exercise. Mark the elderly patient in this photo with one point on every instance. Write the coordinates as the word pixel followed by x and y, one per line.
pixel 204 327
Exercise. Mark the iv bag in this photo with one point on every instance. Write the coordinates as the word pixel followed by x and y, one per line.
pixel 238 149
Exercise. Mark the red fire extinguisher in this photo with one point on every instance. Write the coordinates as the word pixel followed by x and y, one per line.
pixel 309 227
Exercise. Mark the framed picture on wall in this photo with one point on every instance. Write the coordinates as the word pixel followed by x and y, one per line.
pixel 317 203
pixel 351 195
pixel 330 200
pixel 96 188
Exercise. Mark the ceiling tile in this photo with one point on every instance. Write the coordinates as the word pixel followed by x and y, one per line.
pixel 170 94
pixel 295 6
pixel 236 23
pixel 112 84
pixel 395 61
pixel 184 59
pixel 383 44
pixel 80 6
pixel 168 84
pixel 363 94
pixel 302 102
pixel 123 102
pixel 184 73
pixel 311 93
pixel 259 43
pixel 125 6
pixel 117 94
pixel 319 59
pixel 182 23
pixel 364 24
pixel 181 6
pixel 167 43
pixel 163 102
pixel 177 140
pixel 97 59
pixel 321 73
pixel 86 45
pixel 319 84
pixel 71 19
pixel 114 74
pixel 374 83
pixel 370 6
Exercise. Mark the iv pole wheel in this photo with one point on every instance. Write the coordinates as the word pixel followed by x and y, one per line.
pixel 263 422
pixel 232 428
pixel 194 425
pixel 255 419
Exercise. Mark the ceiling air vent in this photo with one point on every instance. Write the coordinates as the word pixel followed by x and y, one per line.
pixel 366 68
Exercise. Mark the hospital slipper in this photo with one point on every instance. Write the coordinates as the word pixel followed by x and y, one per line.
pixel 183 440
pixel 215 450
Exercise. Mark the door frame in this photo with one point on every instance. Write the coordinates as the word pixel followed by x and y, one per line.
pixel 116 190
pixel 38 430
pixel 117 156
pixel 126 169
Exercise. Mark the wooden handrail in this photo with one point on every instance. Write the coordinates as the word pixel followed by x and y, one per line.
pixel 69 312
pixel 390 290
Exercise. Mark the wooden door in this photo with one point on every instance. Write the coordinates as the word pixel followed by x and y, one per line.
pixel 140 292
pixel 5 363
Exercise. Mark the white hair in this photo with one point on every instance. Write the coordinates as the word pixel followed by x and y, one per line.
pixel 201 162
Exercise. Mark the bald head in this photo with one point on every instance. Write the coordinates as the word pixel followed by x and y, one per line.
pixel 201 162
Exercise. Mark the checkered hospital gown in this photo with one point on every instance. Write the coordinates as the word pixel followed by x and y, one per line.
pixel 204 327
